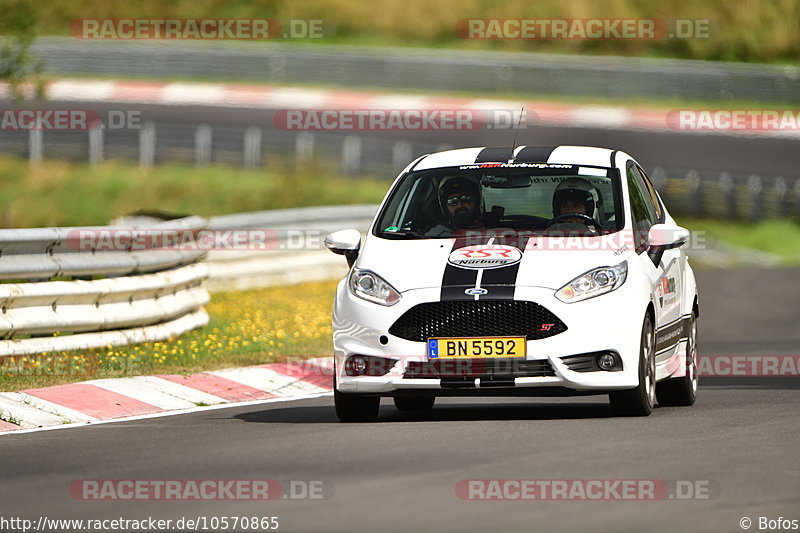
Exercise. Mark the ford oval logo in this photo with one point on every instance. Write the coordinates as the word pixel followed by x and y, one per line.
pixel 485 256
pixel 472 291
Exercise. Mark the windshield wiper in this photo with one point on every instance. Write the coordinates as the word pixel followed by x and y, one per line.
pixel 405 234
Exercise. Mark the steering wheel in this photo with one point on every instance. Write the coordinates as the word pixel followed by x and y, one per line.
pixel 583 217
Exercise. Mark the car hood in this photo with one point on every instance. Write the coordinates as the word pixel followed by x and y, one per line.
pixel 541 262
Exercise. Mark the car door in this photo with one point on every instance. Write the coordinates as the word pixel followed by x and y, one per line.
pixel 669 264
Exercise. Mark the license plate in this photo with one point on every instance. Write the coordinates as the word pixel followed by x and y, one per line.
pixel 476 347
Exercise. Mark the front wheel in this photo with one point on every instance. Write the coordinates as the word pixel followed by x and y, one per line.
pixel 352 407
pixel 640 401
pixel 682 391
pixel 356 407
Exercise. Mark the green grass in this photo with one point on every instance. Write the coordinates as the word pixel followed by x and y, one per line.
pixel 67 194
pixel 747 30
pixel 246 328
pixel 777 237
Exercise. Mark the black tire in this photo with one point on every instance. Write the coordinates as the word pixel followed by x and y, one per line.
pixel 640 401
pixel 682 391
pixel 414 403
pixel 355 407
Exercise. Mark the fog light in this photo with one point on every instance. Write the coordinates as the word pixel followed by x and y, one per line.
pixel 368 365
pixel 606 361
pixel 359 365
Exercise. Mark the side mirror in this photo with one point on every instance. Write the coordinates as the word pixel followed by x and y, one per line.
pixel 346 242
pixel 667 237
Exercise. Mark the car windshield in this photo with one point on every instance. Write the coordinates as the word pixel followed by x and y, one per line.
pixel 530 197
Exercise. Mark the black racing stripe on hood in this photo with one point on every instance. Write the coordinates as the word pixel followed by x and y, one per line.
pixel 456 280
pixel 494 155
pixel 534 154
pixel 502 282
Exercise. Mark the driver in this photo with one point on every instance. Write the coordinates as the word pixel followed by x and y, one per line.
pixel 461 202
pixel 575 195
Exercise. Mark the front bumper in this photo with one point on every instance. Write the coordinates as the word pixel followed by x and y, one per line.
pixel 611 322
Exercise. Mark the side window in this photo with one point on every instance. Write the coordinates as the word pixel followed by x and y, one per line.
pixel 642 212
pixel 651 192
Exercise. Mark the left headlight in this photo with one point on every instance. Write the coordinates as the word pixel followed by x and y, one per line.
pixel 373 288
pixel 593 283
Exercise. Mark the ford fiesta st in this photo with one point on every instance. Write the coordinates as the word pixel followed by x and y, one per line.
pixel 514 272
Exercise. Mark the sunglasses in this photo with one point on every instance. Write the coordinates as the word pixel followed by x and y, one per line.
pixel 453 200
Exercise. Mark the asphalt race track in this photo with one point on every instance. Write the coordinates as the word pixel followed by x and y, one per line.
pixel 739 441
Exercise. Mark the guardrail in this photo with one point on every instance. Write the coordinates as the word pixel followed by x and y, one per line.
pixel 146 293
pixel 149 291
pixel 440 69
pixel 296 253
pixel 727 195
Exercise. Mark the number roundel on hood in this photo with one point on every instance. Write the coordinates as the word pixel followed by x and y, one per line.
pixel 485 256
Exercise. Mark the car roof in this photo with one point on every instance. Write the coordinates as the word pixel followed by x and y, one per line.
pixel 568 155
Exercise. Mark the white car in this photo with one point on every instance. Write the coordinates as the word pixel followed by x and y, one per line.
pixel 525 271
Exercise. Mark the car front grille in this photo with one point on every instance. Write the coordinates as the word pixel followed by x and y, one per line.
pixel 477 318
pixel 486 369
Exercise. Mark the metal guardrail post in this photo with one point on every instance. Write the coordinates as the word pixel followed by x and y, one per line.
pixel 147 145
pixel 728 193
pixel 695 193
pixel 797 196
pixel 351 155
pixel 401 155
pixel 781 193
pixel 252 147
pixel 303 149
pixel 756 188
pixel 96 144
pixel 35 146
pixel 659 178
pixel 202 145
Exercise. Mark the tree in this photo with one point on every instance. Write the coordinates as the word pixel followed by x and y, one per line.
pixel 18 65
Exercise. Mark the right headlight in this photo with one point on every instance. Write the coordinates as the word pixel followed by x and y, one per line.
pixel 373 288
pixel 593 283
